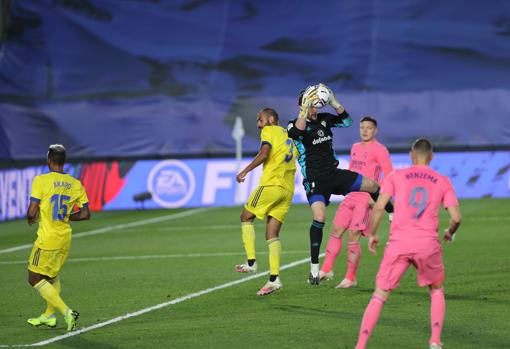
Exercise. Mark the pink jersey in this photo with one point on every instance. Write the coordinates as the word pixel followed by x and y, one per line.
pixel 372 160
pixel 419 192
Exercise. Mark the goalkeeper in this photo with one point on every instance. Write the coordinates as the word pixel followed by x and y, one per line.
pixel 312 135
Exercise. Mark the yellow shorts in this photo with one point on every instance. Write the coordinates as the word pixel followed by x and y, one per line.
pixel 47 262
pixel 271 201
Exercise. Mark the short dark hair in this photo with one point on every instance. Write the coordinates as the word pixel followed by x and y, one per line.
pixel 422 146
pixel 270 112
pixel 369 118
pixel 57 154
pixel 300 97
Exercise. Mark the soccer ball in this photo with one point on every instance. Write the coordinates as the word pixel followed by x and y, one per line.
pixel 322 93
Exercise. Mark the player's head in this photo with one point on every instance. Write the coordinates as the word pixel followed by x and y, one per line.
pixel 312 113
pixel 422 151
pixel 367 128
pixel 56 155
pixel 267 116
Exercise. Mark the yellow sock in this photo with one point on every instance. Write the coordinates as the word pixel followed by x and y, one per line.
pixel 50 294
pixel 50 309
pixel 275 251
pixel 248 233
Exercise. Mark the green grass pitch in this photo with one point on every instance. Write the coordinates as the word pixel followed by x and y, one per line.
pixel 126 269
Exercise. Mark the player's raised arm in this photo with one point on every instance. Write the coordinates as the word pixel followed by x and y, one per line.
pixel 342 119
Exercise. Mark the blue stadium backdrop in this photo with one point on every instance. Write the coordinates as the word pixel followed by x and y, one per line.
pixel 119 79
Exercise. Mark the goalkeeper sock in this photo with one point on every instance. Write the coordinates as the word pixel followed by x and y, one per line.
pixel 315 240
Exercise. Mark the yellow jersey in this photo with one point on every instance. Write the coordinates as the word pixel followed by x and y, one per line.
pixel 280 167
pixel 56 193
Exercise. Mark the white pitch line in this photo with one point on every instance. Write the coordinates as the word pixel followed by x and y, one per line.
pixel 160 256
pixel 157 306
pixel 120 226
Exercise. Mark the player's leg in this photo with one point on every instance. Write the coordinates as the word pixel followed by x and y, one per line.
pixel 318 206
pixel 253 208
pixel 275 219
pixel 392 268
pixel 437 314
pixel 353 258
pixel 43 266
pixel 333 249
pixel 371 187
pixel 340 223
pixel 429 262
pixel 248 237
pixel 275 250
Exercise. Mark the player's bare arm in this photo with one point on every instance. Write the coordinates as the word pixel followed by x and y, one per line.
pixel 32 212
pixel 455 219
pixel 377 212
pixel 82 215
pixel 261 157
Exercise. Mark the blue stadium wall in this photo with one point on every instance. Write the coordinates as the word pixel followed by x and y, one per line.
pixel 130 79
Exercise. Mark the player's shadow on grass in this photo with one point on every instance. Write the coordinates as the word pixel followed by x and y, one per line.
pixel 82 343
pixel 319 312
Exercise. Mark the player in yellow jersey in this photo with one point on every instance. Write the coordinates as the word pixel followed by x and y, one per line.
pixel 272 197
pixel 52 200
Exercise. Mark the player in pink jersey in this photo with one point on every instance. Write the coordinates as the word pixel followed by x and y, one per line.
pixel 419 192
pixel 371 159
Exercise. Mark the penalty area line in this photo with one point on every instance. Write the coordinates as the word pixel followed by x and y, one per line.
pixel 157 306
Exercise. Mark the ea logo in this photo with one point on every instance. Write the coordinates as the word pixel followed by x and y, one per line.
pixel 171 183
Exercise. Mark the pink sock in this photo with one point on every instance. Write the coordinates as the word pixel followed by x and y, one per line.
pixel 369 320
pixel 437 311
pixel 353 260
pixel 332 251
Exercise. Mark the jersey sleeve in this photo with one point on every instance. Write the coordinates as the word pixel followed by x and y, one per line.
pixel 388 186
pixel 293 131
pixel 36 194
pixel 384 160
pixel 338 120
pixel 449 198
pixel 82 199
pixel 266 137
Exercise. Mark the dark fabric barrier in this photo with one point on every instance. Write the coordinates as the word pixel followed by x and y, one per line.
pixel 147 78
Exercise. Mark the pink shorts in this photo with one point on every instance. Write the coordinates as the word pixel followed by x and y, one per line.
pixel 425 255
pixel 354 213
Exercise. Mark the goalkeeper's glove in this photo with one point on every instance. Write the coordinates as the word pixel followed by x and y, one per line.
pixel 306 104
pixel 333 102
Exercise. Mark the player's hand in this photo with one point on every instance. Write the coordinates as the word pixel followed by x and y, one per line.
pixel 448 237
pixel 373 243
pixel 333 102
pixel 241 176
pixel 306 104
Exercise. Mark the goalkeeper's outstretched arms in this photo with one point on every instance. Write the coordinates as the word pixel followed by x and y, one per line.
pixel 343 119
